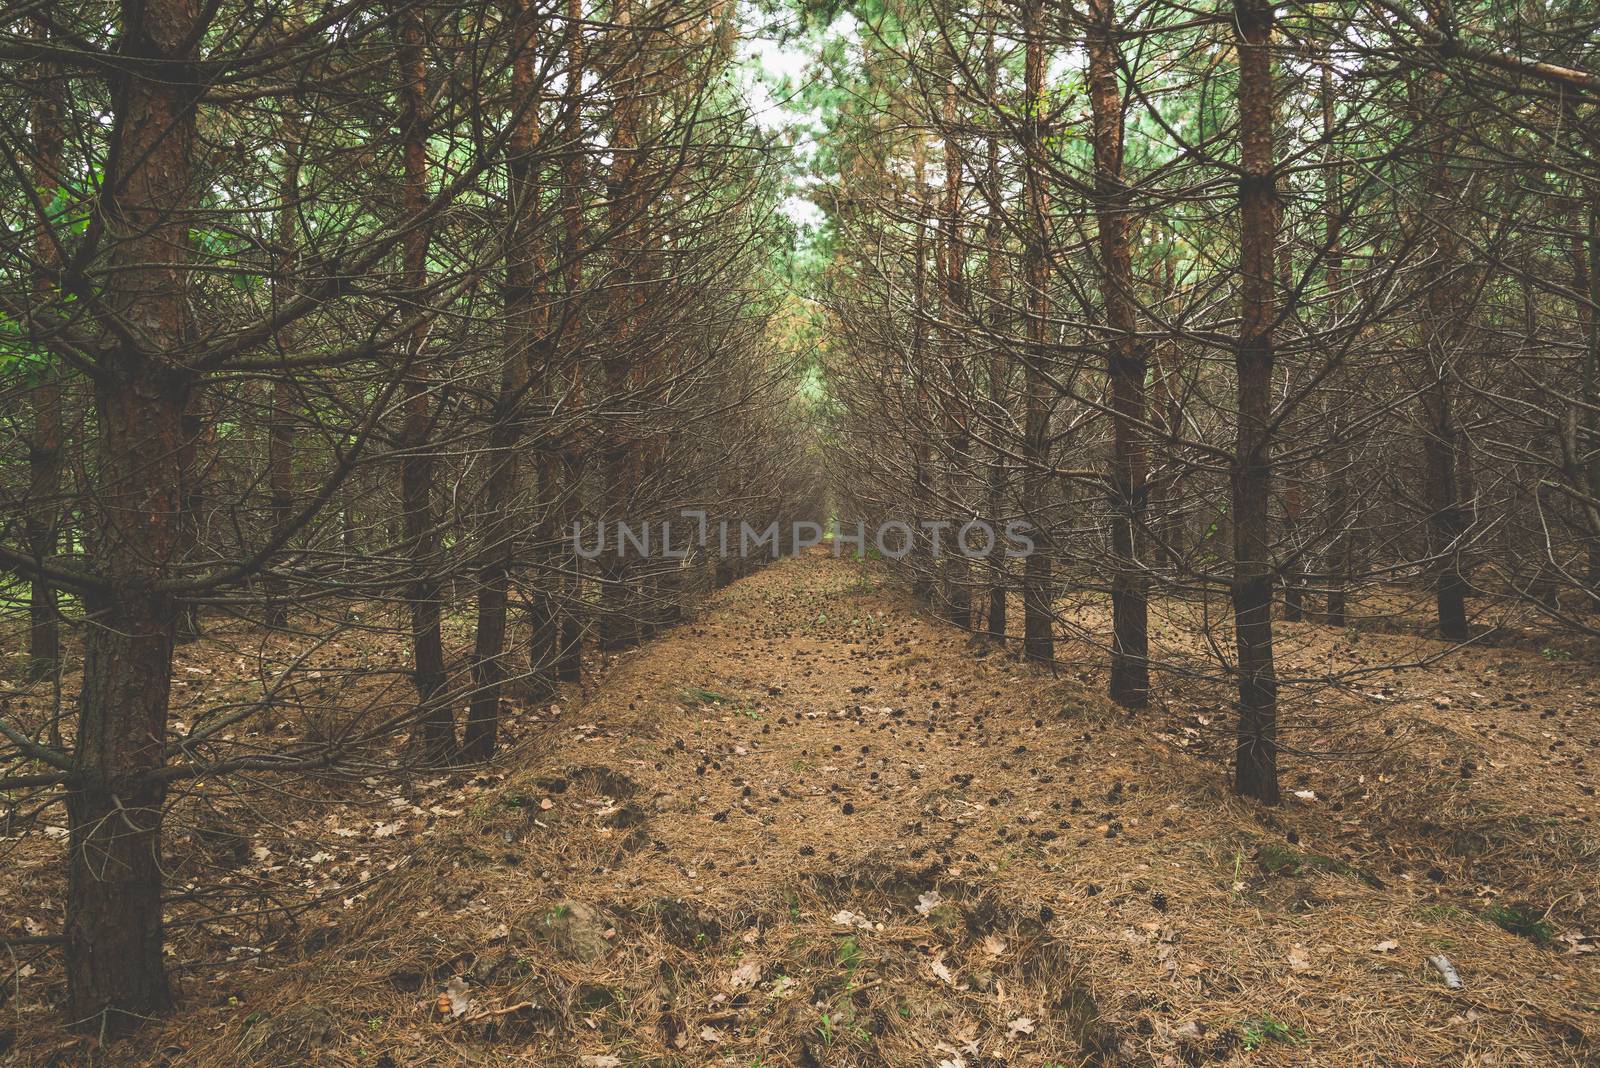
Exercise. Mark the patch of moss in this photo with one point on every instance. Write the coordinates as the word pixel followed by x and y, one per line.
pixel 1268 1029
pixel 699 695
pixel 1522 921
pixel 1276 859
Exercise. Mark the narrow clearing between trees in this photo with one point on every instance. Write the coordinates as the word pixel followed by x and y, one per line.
pixel 815 827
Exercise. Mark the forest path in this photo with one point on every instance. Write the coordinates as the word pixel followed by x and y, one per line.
pixel 813 826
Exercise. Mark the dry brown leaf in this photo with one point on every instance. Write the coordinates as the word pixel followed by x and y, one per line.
pixel 456 999
pixel 745 975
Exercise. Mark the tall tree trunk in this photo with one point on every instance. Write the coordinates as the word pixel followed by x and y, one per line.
pixel 115 972
pixel 280 431
pixel 1443 330
pixel 1125 364
pixel 435 733
pixel 569 472
pixel 1256 757
pixel 999 362
pixel 619 622
pixel 1336 463
pixel 43 518
pixel 958 591
pixel 523 328
pixel 1293 566
pixel 1168 408
pixel 1038 640
pixel 1584 448
pixel 921 557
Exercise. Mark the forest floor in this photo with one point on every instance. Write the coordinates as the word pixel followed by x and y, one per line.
pixel 814 826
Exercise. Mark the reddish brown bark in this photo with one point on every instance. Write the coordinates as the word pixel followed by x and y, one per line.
pixel 958 591
pixel 1125 365
pixel 618 612
pixel 568 475
pixel 999 362
pixel 1038 635
pixel 522 332
pixel 115 973
pixel 435 734
pixel 43 518
pixel 1256 756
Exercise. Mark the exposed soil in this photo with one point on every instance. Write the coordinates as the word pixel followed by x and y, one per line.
pixel 816 827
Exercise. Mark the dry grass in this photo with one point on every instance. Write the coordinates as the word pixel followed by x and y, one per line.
pixel 814 828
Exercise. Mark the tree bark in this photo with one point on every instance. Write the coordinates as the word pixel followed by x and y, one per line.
pixel 1584 449
pixel 1443 329
pixel 523 330
pixel 280 431
pixel 1256 756
pixel 999 362
pixel 1038 635
pixel 1336 465
pixel 619 623
pixel 1125 365
pixel 957 574
pixel 435 732
pixel 568 473
pixel 115 973
pixel 43 517
pixel 921 557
